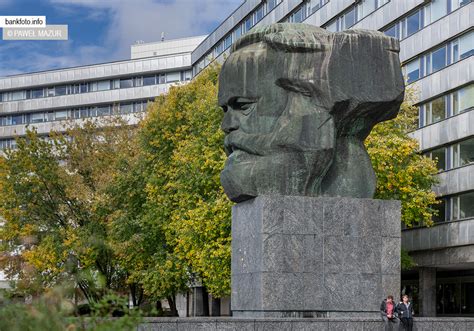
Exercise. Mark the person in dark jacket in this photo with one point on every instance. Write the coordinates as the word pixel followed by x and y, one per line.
pixel 389 314
pixel 405 313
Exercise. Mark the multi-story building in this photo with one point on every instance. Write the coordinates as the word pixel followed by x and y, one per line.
pixel 437 44
pixel 46 99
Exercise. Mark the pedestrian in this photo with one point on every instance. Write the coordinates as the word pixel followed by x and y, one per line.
pixel 389 314
pixel 405 313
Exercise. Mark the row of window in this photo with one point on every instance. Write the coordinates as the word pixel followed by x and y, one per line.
pixel 304 10
pixel 446 106
pixel 422 17
pixel 75 113
pixel 439 58
pixel 354 14
pixel 242 28
pixel 456 207
pixel 94 86
pixel 453 156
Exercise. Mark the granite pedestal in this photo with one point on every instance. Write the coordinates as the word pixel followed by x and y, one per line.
pixel 296 256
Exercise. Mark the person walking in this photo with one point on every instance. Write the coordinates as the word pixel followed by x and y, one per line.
pixel 389 315
pixel 405 313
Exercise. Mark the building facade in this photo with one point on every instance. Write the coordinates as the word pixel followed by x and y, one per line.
pixel 437 44
pixel 45 100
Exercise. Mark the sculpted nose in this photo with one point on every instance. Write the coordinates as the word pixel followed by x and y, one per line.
pixel 230 121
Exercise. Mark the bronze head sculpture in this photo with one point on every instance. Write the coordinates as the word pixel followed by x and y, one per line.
pixel 299 102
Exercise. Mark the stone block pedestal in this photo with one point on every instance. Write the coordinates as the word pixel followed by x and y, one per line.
pixel 314 257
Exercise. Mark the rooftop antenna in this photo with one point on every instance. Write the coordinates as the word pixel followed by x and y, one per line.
pixel 163 36
pixel 138 42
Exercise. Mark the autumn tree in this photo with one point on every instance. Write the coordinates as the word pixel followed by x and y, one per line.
pixel 402 172
pixel 54 202
pixel 182 139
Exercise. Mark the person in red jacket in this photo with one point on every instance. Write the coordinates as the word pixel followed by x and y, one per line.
pixel 389 315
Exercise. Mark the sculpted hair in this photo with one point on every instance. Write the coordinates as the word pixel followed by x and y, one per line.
pixel 290 37
pixel 297 37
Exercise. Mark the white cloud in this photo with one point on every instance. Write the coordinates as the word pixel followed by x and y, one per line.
pixel 147 19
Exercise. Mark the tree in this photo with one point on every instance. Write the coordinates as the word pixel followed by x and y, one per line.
pixel 402 172
pixel 53 200
pixel 182 140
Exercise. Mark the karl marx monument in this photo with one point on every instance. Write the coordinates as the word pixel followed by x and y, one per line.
pixel 308 239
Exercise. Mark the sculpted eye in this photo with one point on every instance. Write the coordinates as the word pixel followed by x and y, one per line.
pixel 243 104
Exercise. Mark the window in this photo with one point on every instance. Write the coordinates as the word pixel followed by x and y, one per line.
pixel 61 90
pixel 17 119
pixel 149 80
pixel 125 83
pixel 463 99
pixel 139 107
pixel 315 5
pixel 116 83
pixel 37 117
pixel 228 41
pixel 438 9
pixel 440 156
pixel 93 111
pixel 438 59
pixel 413 70
pixel 38 93
pixel 392 31
pixel 84 88
pixel 188 75
pixel 461 206
pixel 297 16
pixel 103 110
pixel 238 32
pixel 333 26
pixel 271 4
pixel 259 14
pixel 366 7
pixel 103 85
pixel 466 45
pixel 84 112
pixel 18 95
pixel 219 48
pixel 466 152
pixel 350 18
pixel 126 108
pixel 172 77
pixel 413 23
pixel 49 116
pixel 138 81
pixel 61 115
pixel 248 24
pixel 162 78
pixel 76 113
pixel 435 110
pixel 441 208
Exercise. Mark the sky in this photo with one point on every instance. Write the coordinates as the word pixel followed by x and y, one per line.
pixel 103 30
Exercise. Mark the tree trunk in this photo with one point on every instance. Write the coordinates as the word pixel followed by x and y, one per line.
pixel 136 291
pixel 159 308
pixel 172 303
pixel 205 301
pixel 215 306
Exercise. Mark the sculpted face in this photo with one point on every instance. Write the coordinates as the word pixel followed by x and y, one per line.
pixel 299 102
pixel 277 139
